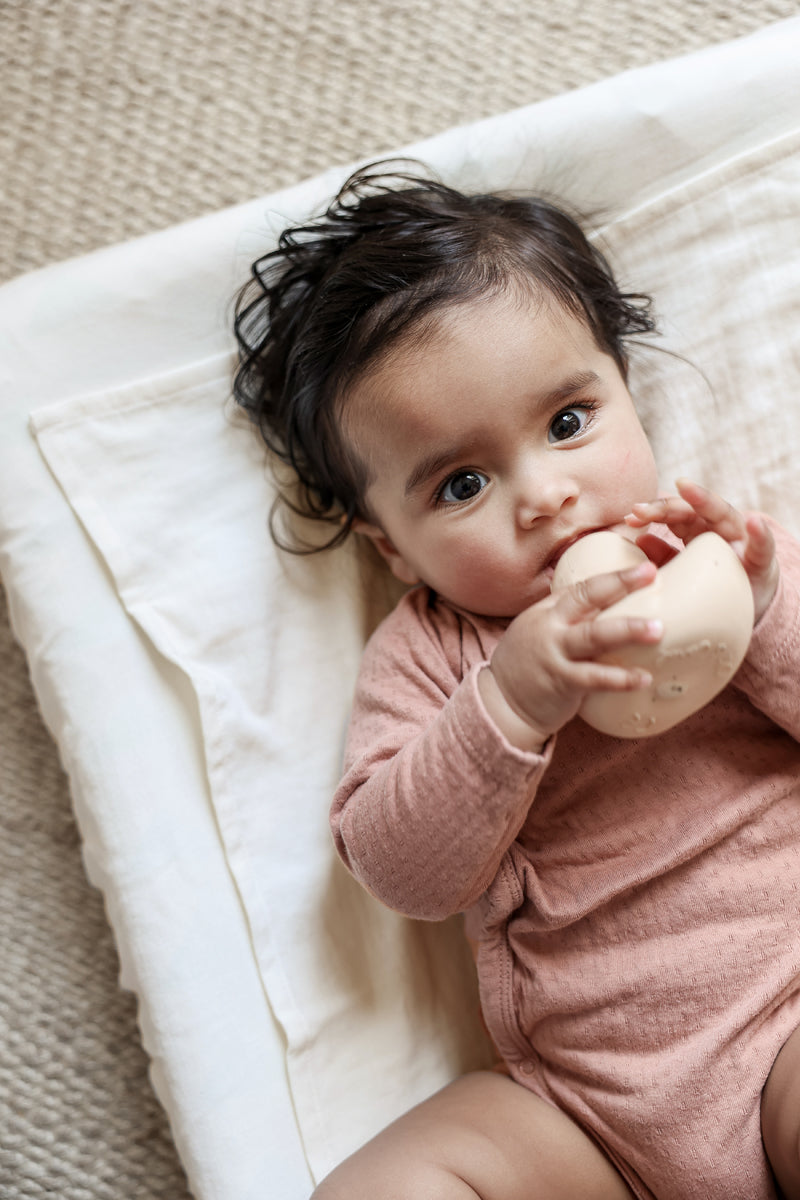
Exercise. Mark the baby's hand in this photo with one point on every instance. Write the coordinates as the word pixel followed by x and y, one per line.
pixel 696 510
pixel 544 665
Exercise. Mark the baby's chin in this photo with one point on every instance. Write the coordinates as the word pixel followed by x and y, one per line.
pixel 504 607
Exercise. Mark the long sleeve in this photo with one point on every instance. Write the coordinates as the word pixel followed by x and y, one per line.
pixel 770 674
pixel 433 794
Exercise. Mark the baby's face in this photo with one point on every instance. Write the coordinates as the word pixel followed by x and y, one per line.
pixel 491 445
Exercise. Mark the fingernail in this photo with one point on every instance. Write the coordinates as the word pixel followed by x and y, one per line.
pixel 655 627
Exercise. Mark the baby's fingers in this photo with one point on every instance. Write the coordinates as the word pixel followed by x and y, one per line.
pixel 673 511
pixel 694 511
pixel 593 595
pixel 760 562
pixel 589 640
pixel 718 514
pixel 605 677
pixel 759 551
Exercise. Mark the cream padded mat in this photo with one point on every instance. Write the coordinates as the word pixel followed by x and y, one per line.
pixel 97 1151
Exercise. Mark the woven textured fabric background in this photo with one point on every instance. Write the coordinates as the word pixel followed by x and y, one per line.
pixel 118 117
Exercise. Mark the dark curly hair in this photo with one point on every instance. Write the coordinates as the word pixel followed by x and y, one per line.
pixel 392 250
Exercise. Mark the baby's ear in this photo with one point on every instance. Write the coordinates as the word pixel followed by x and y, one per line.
pixel 385 547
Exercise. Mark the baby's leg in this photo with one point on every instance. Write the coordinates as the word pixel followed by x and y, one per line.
pixel 483 1137
pixel 780 1117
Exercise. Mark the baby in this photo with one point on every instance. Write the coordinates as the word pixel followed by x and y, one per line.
pixel 446 376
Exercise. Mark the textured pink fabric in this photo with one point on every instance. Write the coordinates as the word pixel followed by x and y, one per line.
pixel 636 903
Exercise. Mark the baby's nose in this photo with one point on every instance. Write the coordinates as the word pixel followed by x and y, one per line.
pixel 544 495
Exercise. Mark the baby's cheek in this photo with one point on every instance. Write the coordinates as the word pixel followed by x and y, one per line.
pixel 464 575
pixel 634 477
pixel 484 580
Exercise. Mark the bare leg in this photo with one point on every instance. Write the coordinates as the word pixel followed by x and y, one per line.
pixel 780 1117
pixel 481 1138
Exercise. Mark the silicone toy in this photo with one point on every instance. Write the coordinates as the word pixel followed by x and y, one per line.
pixel 704 599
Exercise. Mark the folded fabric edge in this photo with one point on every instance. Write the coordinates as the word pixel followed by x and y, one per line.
pixel 153 389
pixel 745 161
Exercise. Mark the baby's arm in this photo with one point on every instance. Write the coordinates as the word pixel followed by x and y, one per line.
pixel 433 794
pixel 770 674
pixel 442 771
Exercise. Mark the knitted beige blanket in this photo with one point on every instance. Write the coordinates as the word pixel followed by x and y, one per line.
pixel 117 119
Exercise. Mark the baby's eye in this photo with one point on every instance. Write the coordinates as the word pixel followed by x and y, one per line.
pixel 462 486
pixel 569 423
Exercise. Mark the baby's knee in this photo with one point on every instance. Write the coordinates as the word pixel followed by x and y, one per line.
pixel 328 1190
pixel 780 1130
pixel 780 1118
pixel 355 1181
pixel 323 1192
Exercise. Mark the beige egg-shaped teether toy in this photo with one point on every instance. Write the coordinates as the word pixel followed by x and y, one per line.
pixel 704 599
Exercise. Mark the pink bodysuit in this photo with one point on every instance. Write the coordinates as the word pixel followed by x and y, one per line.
pixel 636 903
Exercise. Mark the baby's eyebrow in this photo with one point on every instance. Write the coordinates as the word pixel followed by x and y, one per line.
pixel 575 383
pixel 431 465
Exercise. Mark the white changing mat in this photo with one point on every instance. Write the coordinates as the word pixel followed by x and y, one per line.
pixel 197 682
